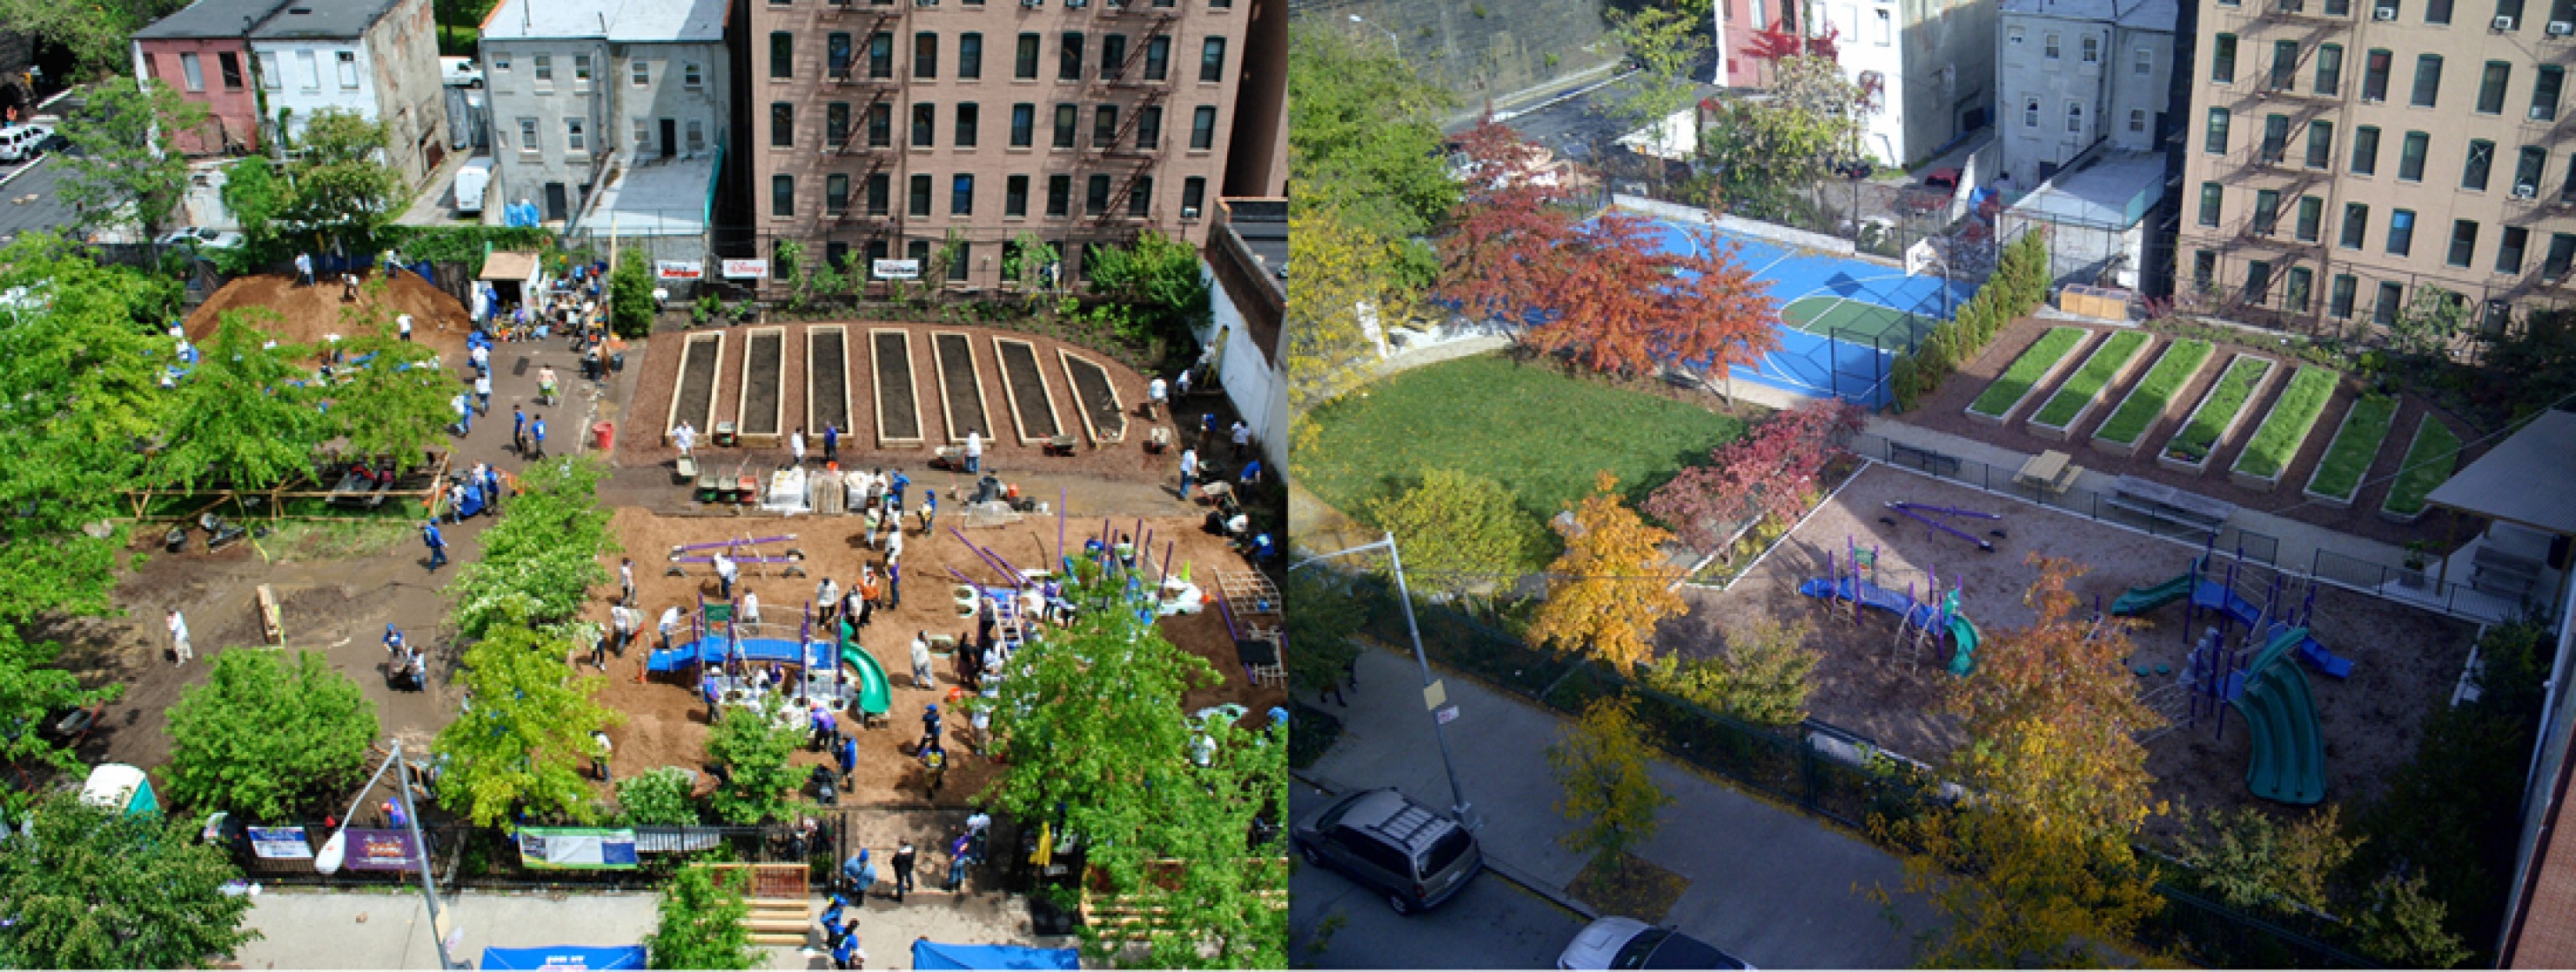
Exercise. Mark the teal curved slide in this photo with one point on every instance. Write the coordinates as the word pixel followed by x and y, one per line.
pixel 876 694
pixel 1964 635
pixel 2289 764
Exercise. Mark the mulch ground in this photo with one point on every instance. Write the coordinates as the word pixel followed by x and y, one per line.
pixel 644 445
pixel 2405 660
pixel 1628 885
pixel 1945 410
pixel 666 720
pixel 308 313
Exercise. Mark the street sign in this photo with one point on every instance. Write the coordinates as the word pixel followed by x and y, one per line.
pixel 1434 694
pixel 1448 715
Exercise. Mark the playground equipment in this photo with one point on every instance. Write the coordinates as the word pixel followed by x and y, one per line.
pixel 1922 623
pixel 2288 764
pixel 744 550
pixel 2232 608
pixel 727 653
pixel 1926 515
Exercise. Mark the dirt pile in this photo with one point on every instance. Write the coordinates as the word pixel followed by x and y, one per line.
pixel 308 313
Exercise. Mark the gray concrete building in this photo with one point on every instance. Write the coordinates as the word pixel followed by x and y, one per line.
pixel 2074 72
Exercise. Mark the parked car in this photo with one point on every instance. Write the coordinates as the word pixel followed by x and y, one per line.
pixel 460 72
pixel 201 238
pixel 1945 178
pixel 1395 846
pixel 1626 943
pixel 19 143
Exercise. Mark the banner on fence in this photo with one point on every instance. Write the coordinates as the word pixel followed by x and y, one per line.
pixel 280 843
pixel 676 840
pixel 382 850
pixel 679 269
pixel 571 848
pixel 896 269
pixel 746 269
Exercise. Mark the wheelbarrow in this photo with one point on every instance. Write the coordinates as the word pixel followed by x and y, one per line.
pixel 710 488
pixel 684 469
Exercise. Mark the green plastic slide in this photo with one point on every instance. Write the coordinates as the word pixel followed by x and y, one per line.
pixel 2289 764
pixel 2139 600
pixel 1965 636
pixel 876 695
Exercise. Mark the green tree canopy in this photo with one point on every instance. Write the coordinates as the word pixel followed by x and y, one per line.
pixel 524 739
pixel 127 153
pixel 1768 149
pixel 269 737
pixel 96 33
pixel 343 191
pixel 1665 44
pixel 699 923
pixel 630 295
pixel 754 745
pixel 32 689
pixel 93 888
pixel 398 403
pixel 248 416
pixel 255 195
pixel 1220 897
pixel 1460 533
pixel 1322 631
pixel 658 796
pixel 1364 138
pixel 1158 277
pixel 1612 798
pixel 542 560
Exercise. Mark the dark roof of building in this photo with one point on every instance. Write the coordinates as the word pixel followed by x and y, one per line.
pixel 209 18
pixel 323 19
pixel 1262 225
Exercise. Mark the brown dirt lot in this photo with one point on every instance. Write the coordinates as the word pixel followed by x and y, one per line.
pixel 2405 660
pixel 667 721
pixel 646 444
pixel 1945 410
pixel 310 312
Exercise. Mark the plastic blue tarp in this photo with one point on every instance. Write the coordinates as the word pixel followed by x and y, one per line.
pixel 565 957
pixel 928 954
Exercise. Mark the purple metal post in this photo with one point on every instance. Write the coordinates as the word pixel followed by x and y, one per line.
pixel 1060 494
pixel 1168 546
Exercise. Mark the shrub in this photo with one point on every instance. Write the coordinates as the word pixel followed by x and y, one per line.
pixel 657 796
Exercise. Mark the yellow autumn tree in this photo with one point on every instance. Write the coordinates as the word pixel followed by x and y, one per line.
pixel 1610 796
pixel 2034 864
pixel 1608 590
pixel 1343 284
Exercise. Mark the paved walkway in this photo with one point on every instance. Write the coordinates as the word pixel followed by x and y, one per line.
pixel 1771 885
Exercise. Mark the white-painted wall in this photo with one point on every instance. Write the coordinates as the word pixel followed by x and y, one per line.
pixel 305 93
pixel 1933 61
pixel 1251 384
pixel 2117 101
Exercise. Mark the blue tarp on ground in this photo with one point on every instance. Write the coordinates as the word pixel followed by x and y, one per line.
pixel 566 957
pixel 928 954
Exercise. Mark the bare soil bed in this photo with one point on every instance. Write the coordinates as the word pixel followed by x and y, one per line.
pixel 697 384
pixel 1942 410
pixel 898 389
pixel 961 386
pixel 666 721
pixel 1093 394
pixel 767 372
pixel 2405 660
pixel 1028 387
pixel 308 313
pixel 827 379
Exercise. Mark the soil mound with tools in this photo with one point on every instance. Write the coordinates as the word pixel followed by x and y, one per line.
pixel 308 313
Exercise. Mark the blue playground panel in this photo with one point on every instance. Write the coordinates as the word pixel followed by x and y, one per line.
pixel 714 651
pixel 1811 364
pixel 2215 595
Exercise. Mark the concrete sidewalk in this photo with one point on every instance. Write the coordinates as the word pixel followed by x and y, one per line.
pixel 1776 887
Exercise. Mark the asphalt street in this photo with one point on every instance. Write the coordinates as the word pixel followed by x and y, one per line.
pixel 1492 924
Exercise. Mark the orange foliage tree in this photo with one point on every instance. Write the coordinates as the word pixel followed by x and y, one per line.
pixel 1610 587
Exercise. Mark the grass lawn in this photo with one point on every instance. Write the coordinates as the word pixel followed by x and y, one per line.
pixel 2429 462
pixel 2148 401
pixel 2226 398
pixel 2350 455
pixel 1539 432
pixel 2026 371
pixel 2278 439
pixel 2087 382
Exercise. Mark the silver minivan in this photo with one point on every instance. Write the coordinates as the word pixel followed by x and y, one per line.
pixel 18 143
pixel 1406 851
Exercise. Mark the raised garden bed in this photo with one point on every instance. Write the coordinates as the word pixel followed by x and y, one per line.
pixel 2285 429
pixel 1025 384
pixel 2430 459
pixel 2355 446
pixel 898 405
pixel 759 405
pixel 2045 359
pixel 827 378
pixel 961 391
pixel 2152 399
pixel 2219 415
pixel 1095 397
pixel 2111 362
pixel 693 390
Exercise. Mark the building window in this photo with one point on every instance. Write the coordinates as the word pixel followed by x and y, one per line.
pixel 836 55
pixel 2285 64
pixel 2481 160
pixel 876 251
pixel 2339 300
pixel 2137 121
pixel 1066 116
pixel 1059 197
pixel 970 57
pixel 1203 127
pixel 230 64
pixel 1095 195
pixel 2295 297
pixel 1158 58
pixel 697 135
pixel 782 195
pixel 2491 85
pixel 924 116
pixel 961 195
pixel 692 76
pixel 2562 253
pixel 642 72
pixel 836 124
pixel 2212 195
pixel 2392 297
pixel 2329 70
pixel 2365 150
pixel 836 193
pixel 193 71
pixel 273 77
pixel 2030 113
pixel 1024 65
pixel 1193 195
pixel 528 135
pixel 2267 211
pixel 960 262
pixel 778 262
pixel 967 117
pixel 643 141
pixel 917 251
pixel 575 142
pixel 1024 123
pixel 2312 217
pixel 2258 281
pixel 2435 11
pixel 2320 144
pixel 580 71
pixel 2276 138
pixel 836 255
pixel 2356 226
pixel 2204 268
pixel 2048 46
pixel 2142 62
pixel 2544 92
pixel 878 185
pixel 1140 198
pixel 311 62
pixel 782 124
pixel 2215 142
pixel 2410 156
pixel 1104 126
pixel 925 56
pixel 782 54
pixel 2075 117
pixel 881 55
pixel 2401 232
pixel 2374 75
pixel 2222 59
pixel 1113 56
pixel 2509 250
pixel 2092 44
pixel 1068 61
pixel 2428 81
pixel 1885 34
pixel 1015 197
pixel 880 125
pixel 2527 167
pixel 1149 128
pixel 919 202
pixel 2015 36
pixel 1212 60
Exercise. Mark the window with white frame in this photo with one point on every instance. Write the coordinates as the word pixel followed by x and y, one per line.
pixel 2030 113
pixel 348 69
pixel 2075 117
pixel 527 135
pixel 574 144
pixel 2137 120
pixel 581 72
pixel 643 143
pixel 697 135
pixel 2048 47
pixel 501 62
pixel 271 75
pixel 643 72
pixel 692 76
pixel 2015 35
pixel 2142 61
pixel 545 64
pixel 309 64
pixel 2092 49
pixel 1884 29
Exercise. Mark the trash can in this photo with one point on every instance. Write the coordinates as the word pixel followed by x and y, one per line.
pixel 617 363
pixel 605 432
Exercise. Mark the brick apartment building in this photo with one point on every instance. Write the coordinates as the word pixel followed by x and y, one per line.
pixel 878 128
pixel 2343 154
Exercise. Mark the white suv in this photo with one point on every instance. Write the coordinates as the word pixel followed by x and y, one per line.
pixel 19 143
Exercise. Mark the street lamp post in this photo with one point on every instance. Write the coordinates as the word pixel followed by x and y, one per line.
pixel 1391 41
pixel 1459 808
pixel 335 849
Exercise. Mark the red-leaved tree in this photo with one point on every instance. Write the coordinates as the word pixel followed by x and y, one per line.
pixel 1619 303
pixel 1767 473
pixel 1510 223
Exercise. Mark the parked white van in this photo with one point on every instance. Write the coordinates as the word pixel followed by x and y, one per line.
pixel 472 182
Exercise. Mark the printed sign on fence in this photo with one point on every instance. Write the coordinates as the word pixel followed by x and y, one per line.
pixel 746 269
pixel 588 848
pixel 679 269
pixel 382 850
pixel 280 843
pixel 897 269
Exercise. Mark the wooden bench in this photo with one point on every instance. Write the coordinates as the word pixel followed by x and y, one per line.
pixel 272 622
pixel 1936 463
pixel 2159 503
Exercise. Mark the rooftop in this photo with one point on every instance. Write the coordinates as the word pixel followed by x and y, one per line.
pixel 2138 14
pixel 2110 187
pixel 620 21
pixel 1262 225
pixel 209 18
pixel 2524 480
pixel 322 19
pixel 662 197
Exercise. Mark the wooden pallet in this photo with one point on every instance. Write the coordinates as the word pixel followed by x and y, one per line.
pixel 271 622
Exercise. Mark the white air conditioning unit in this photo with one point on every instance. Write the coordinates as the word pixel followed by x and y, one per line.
pixel 2502 24
pixel 1189 212
pixel 2562 28
pixel 2384 13
pixel 2526 191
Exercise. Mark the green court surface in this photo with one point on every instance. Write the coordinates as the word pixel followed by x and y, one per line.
pixel 1859 322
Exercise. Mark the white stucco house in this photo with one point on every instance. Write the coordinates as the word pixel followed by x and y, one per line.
pixel 377 59
pixel 1929 63
pixel 2074 72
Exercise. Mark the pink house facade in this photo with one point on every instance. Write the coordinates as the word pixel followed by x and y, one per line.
pixel 202 53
